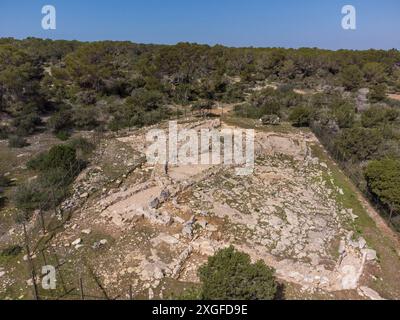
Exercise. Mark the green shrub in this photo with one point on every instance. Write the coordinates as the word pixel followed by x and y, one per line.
pixel 63 135
pixel 17 142
pixel 300 116
pixel 351 77
pixel 377 116
pixel 50 188
pixel 82 145
pixel 230 275
pixel 234 93
pixel 60 156
pixel 60 121
pixel 377 93
pixel 11 251
pixel 29 196
pixel 2 199
pixel 4 132
pixel 58 168
pixel 383 179
pixel 116 124
pixel 4 182
pixel 188 294
pixel 269 102
pixel 26 124
pixel 344 116
pixel 358 144
pixel 248 111
pixel 147 99
pixel 85 118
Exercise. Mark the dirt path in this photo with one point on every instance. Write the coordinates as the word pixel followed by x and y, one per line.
pixel 394 96
pixel 222 109
pixel 380 222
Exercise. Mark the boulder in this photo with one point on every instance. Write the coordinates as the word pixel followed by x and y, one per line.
pixel 362 243
pixel 155 203
pixel 270 119
pixel 179 220
pixel 188 227
pixel 202 223
pixel 369 293
pixel 76 242
pixel 370 254
pixel 164 195
pixel 188 230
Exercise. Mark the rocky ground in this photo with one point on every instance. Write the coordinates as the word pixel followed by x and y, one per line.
pixel 148 228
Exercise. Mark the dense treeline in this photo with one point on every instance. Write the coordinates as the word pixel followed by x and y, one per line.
pixel 63 86
pixel 120 84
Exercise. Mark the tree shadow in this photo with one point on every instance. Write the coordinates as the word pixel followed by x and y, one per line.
pixel 280 292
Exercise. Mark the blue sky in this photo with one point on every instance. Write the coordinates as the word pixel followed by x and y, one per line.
pixel 259 23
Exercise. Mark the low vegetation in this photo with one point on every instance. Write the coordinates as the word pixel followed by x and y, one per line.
pixel 4 182
pixel 383 178
pixel 56 170
pixel 230 275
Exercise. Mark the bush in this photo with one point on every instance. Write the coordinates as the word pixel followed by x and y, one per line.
pixel 60 121
pixel 147 99
pixel 188 294
pixel 377 93
pixel 4 182
pixel 344 116
pixel 203 106
pixel 300 117
pixel 376 116
pixel 358 144
pixel 270 119
pixel 86 97
pixel 383 179
pixel 61 156
pixel 51 185
pixel 11 251
pixel 85 118
pixel 230 275
pixel 234 93
pixel 82 146
pixel 58 168
pixel 17 142
pixel 63 135
pixel 4 132
pixel 130 115
pixel 268 102
pixel 374 72
pixel 26 125
pixel 351 77
pixel 248 111
pixel 29 196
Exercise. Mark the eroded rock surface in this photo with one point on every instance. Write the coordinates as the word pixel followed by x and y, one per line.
pixel 156 223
